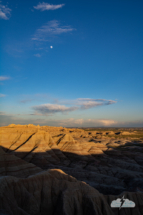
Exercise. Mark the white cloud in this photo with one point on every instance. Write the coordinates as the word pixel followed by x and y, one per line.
pixel 101 122
pixel 52 28
pixel 37 118
pixel 46 6
pixel 107 122
pixel 78 104
pixel 37 55
pixel 2 95
pixel 51 47
pixel 3 78
pixel 71 122
pixel 4 12
pixel 87 103
pixel 6 119
pixel 52 108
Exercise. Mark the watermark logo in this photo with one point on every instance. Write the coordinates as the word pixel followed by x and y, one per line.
pixel 122 203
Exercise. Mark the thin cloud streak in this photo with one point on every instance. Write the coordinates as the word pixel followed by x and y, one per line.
pixel 3 78
pixel 87 103
pixel 86 122
pixel 2 95
pixel 53 108
pixel 26 101
pixel 52 28
pixel 4 12
pixel 36 97
pixel 46 6
pixel 105 122
pixel 37 55
pixel 80 104
pixel 7 118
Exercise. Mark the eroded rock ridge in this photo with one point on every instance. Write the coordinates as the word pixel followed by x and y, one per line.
pixel 58 170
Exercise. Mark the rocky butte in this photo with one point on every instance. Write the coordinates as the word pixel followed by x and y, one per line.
pixel 67 171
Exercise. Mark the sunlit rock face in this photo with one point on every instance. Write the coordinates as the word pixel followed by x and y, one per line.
pixel 58 170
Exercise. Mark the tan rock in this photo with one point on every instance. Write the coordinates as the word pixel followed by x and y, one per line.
pixel 54 192
pixel 14 166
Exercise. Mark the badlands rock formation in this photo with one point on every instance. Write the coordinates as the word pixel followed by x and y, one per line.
pixel 14 166
pixel 56 170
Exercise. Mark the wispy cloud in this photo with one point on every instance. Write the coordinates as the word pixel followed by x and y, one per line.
pixel 53 108
pixel 86 103
pixel 52 28
pixel 71 122
pixel 46 6
pixel 36 97
pixel 3 78
pixel 100 122
pixel 25 101
pixel 2 113
pixel 2 95
pixel 37 55
pixel 6 119
pixel 4 12
pixel 78 104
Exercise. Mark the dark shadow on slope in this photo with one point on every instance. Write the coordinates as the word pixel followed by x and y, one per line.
pixel 41 196
pixel 108 174
pixel 24 142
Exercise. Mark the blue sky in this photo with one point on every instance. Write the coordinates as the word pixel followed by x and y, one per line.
pixel 72 63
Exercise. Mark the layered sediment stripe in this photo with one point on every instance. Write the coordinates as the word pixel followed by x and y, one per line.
pixel 14 166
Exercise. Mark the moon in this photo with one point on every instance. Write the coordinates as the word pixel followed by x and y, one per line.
pixel 51 47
